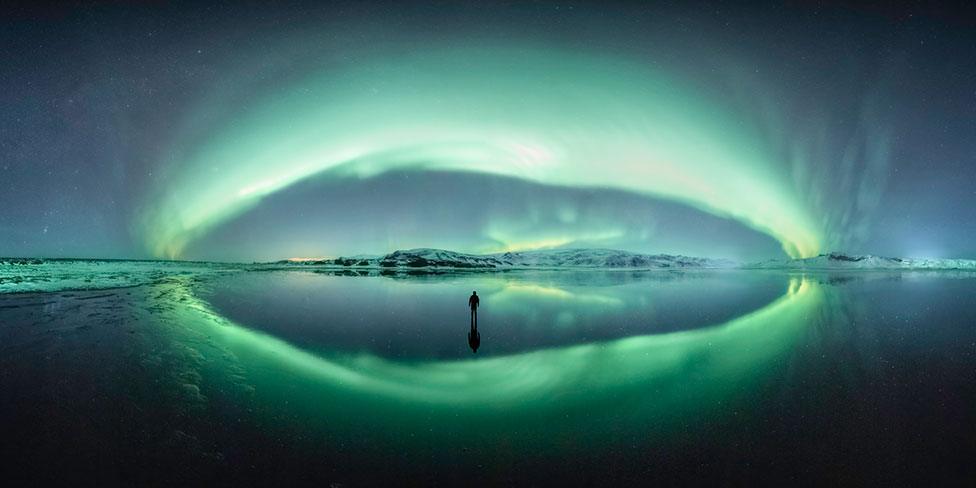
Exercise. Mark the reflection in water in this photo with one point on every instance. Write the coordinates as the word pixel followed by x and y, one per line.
pixel 513 292
pixel 526 311
pixel 688 371
pixel 474 337
pixel 833 380
pixel 577 401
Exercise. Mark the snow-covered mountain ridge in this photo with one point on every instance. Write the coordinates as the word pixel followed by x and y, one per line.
pixel 837 260
pixel 555 258
pixel 608 258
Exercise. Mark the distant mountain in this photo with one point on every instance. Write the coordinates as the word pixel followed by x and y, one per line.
pixel 422 258
pixel 607 258
pixel 555 258
pixel 836 260
pixel 549 258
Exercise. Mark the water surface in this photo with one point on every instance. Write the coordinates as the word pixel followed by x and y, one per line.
pixel 259 375
pixel 425 316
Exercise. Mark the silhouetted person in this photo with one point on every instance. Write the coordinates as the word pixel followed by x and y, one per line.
pixel 473 302
pixel 474 337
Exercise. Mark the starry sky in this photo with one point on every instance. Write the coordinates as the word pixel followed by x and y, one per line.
pixel 243 131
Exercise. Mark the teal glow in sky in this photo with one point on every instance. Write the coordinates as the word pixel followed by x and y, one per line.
pixel 741 133
pixel 539 114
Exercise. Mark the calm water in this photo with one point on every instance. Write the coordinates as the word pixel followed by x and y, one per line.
pixel 581 378
pixel 426 317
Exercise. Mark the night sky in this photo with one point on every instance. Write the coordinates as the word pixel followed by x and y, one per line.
pixel 244 131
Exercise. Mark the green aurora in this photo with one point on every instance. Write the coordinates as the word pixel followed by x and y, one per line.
pixel 560 118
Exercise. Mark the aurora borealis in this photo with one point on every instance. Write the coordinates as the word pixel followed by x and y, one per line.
pixel 540 115
pixel 173 133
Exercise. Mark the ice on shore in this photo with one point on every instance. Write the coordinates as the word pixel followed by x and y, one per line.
pixel 19 275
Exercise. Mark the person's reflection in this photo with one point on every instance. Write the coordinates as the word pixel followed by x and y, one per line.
pixel 474 337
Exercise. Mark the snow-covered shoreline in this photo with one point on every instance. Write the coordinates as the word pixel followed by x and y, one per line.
pixel 839 261
pixel 20 275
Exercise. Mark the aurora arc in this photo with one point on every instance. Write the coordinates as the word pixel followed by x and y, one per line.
pixel 552 117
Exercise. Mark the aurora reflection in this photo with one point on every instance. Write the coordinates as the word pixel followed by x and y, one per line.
pixel 724 355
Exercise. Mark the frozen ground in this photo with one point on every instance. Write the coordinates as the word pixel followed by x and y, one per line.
pixel 49 275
